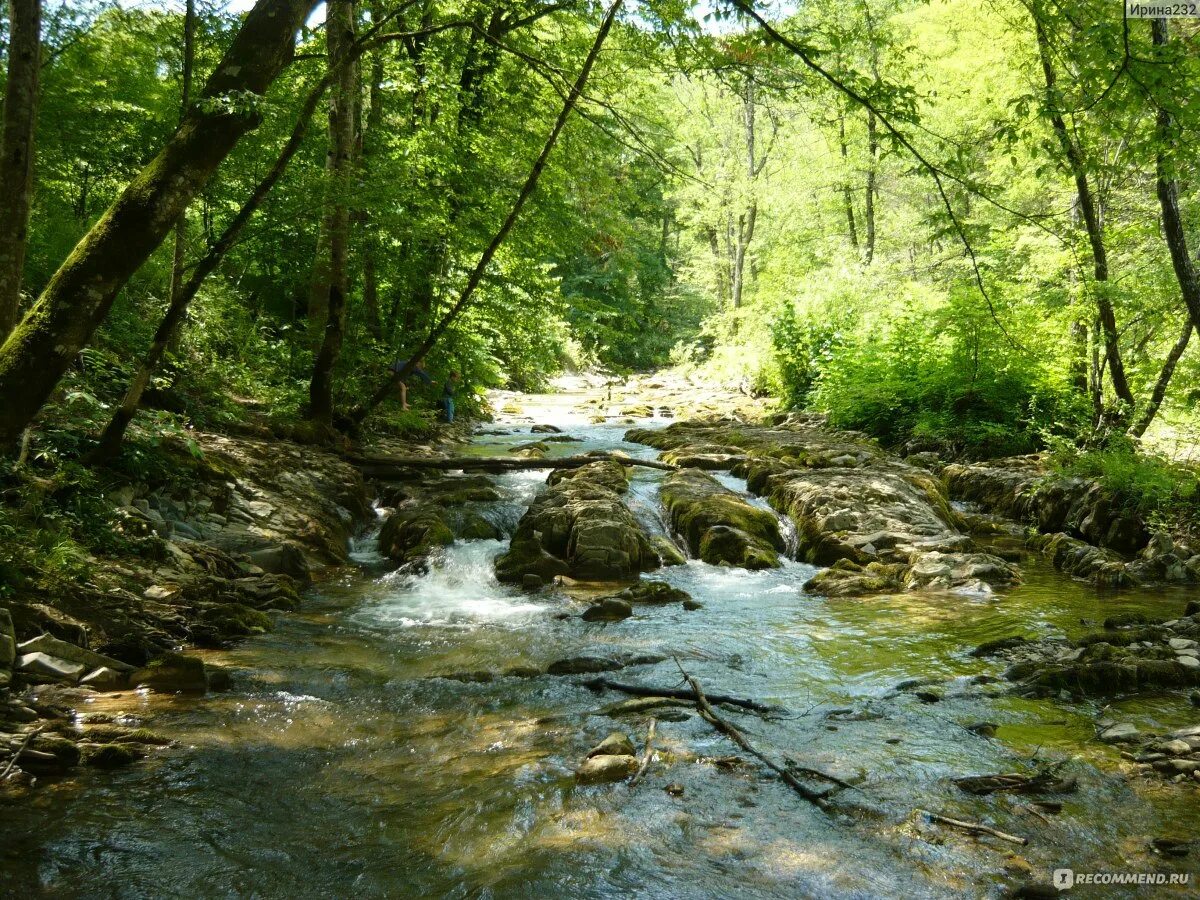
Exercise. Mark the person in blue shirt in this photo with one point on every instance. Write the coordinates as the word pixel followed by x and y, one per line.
pixel 418 369
pixel 452 382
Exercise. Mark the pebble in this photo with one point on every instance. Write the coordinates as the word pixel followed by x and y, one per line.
pixel 1190 662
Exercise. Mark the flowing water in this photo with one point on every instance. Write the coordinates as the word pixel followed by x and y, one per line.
pixel 341 765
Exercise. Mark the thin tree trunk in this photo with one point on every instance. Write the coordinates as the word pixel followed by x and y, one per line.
pixel 1164 380
pixel 185 100
pixel 1091 220
pixel 847 193
pixel 80 294
pixel 869 200
pixel 369 234
pixel 1079 358
pixel 339 31
pixel 476 276
pixel 1181 261
pixel 714 246
pixel 16 152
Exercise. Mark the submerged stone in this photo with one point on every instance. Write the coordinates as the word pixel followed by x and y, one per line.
pixel 604 769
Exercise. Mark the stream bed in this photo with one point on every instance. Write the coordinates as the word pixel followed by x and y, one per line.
pixel 341 765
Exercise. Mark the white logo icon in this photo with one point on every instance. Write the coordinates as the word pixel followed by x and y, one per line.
pixel 1064 879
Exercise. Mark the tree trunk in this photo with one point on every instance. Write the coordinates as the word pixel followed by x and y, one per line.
pixel 1079 359
pixel 185 100
pixel 1181 261
pixel 847 193
pixel 535 174
pixel 869 200
pixel 369 234
pixel 714 245
pixel 16 152
pixel 1091 220
pixel 81 292
pixel 1164 380
pixel 339 31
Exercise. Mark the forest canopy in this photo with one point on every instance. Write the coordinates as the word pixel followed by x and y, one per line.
pixel 966 226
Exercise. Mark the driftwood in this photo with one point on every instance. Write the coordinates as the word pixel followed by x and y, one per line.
pixel 730 731
pixel 21 749
pixel 647 754
pixel 642 690
pixel 381 466
pixel 974 827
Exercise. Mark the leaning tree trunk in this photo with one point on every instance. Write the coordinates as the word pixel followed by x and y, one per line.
pixel 476 276
pixel 16 152
pixel 339 30
pixel 1091 221
pixel 82 291
pixel 185 100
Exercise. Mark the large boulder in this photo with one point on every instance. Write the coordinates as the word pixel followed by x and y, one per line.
pixel 411 534
pixel 718 524
pixel 579 527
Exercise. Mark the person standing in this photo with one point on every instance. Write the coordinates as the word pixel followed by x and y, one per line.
pixel 452 382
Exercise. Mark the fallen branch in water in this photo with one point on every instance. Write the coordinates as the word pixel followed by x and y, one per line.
pixel 13 759
pixel 641 690
pixel 381 465
pixel 730 731
pixel 647 753
pixel 974 827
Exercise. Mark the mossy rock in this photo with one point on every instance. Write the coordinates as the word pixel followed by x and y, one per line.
pixel 110 756
pixel 722 545
pixel 846 578
pixel 526 557
pixel 667 551
pixel 172 672
pixel 653 592
pixel 410 535
pixel 236 620
pixel 718 525
pixel 471 526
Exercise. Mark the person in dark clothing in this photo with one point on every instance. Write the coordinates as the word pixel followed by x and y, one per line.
pixel 417 369
pixel 452 383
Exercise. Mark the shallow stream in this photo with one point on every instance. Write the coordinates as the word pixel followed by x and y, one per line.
pixel 340 765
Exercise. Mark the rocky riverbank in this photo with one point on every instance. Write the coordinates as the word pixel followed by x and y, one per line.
pixel 878 523
pixel 1085 531
pixel 232 535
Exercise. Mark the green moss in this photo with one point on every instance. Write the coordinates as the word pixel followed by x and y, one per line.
pixel 236 619
pixel 110 756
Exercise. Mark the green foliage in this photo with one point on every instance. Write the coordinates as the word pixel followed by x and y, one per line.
pixel 1160 489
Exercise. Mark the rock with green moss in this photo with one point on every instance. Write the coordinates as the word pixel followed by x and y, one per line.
pixel 469 525
pixel 172 673
pixel 110 756
pixel 235 620
pixel 846 578
pixel 410 535
pixel 668 553
pixel 718 524
pixel 579 527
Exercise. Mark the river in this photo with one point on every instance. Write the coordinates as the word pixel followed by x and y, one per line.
pixel 341 765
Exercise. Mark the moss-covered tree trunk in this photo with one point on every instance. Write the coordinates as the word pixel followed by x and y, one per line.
pixel 81 292
pixel 339 31
pixel 16 152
